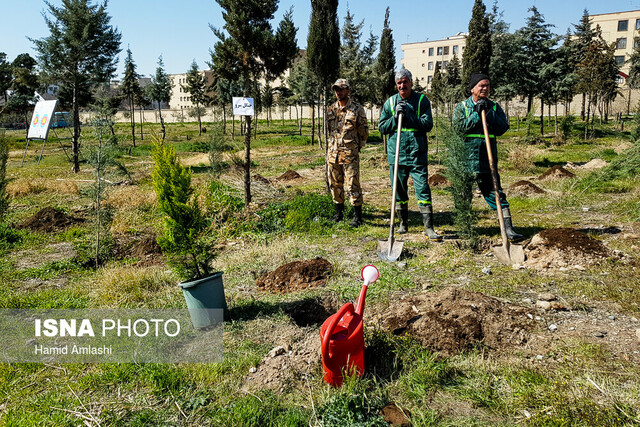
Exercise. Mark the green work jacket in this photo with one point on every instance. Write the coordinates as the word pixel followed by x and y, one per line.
pixel 469 125
pixel 416 122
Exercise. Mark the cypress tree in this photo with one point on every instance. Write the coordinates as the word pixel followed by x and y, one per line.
pixel 323 41
pixel 477 53
pixel 196 87
pixel 584 34
pixel 386 64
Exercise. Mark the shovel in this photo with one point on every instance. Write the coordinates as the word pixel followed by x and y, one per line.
pixel 507 253
pixel 389 250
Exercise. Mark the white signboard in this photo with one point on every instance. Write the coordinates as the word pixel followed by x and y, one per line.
pixel 41 120
pixel 243 106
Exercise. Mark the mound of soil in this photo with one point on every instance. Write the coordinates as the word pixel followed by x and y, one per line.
pixel 289 175
pixel 261 178
pixel 525 188
pixel 564 247
pixel 556 172
pixel 50 219
pixel 590 165
pixel 144 247
pixel 285 364
pixel 454 320
pixel 438 180
pixel 295 276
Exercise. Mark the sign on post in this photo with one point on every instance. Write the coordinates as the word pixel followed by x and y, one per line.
pixel 41 120
pixel 242 106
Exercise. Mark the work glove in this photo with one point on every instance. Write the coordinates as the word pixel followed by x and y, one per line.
pixel 481 105
pixel 401 108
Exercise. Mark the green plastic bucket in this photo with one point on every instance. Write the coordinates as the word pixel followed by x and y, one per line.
pixel 205 298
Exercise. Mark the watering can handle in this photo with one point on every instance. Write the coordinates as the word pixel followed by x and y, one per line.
pixel 348 307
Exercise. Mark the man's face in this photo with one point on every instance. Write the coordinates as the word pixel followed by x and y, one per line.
pixel 404 86
pixel 342 93
pixel 481 90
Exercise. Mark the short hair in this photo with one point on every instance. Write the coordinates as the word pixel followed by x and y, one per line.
pixel 404 73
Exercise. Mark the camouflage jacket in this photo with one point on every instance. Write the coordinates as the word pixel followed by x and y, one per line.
pixel 348 132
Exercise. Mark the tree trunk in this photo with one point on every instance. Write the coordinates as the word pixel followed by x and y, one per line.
pixel 313 123
pixel 541 117
pixel 76 132
pixel 556 120
pixel 584 98
pixel 299 120
pixel 320 124
pixel 133 121
pixel 629 102
pixel 163 130
pixel 141 120
pixel 199 119
pixel 247 162
pixel 224 119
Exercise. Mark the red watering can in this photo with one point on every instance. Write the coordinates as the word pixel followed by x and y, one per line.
pixel 342 338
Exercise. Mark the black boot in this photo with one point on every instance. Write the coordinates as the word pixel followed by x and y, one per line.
pixel 404 219
pixel 339 212
pixel 508 226
pixel 357 217
pixel 427 220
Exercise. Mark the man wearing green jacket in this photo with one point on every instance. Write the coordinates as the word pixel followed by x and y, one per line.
pixel 468 123
pixel 413 156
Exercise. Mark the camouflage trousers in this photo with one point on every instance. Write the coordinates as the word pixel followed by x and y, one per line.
pixel 349 172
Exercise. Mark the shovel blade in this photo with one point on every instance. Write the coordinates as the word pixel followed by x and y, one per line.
pixel 513 254
pixel 389 250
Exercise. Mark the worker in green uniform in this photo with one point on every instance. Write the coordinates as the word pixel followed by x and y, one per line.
pixel 468 123
pixel 413 157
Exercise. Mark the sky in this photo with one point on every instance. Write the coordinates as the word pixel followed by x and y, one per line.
pixel 179 30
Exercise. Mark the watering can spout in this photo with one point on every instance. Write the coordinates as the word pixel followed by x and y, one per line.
pixel 369 274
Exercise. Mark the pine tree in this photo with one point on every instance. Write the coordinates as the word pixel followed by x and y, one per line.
pixel 248 49
pixel 535 54
pixel 477 53
pixel 352 61
pixel 584 33
pixel 454 91
pixel 196 87
pixel 504 58
pixel 438 87
pixel 386 63
pixel 80 53
pixel 5 75
pixel 159 90
pixel 24 82
pixel 130 89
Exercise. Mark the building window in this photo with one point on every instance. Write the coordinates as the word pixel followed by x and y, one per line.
pixel 430 51
pixel 637 24
pixel 446 50
pixel 430 66
pixel 440 50
pixel 455 49
pixel 623 25
pixel 445 64
pixel 621 43
pixel 620 59
pixel 429 79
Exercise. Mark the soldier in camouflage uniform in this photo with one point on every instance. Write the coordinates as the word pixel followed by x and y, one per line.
pixel 348 133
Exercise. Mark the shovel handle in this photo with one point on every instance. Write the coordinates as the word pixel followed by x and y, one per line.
pixel 494 178
pixel 395 183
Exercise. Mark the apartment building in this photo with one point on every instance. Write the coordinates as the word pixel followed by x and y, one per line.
pixel 620 28
pixel 421 57
pixel 180 98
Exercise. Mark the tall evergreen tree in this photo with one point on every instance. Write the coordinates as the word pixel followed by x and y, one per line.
pixel 80 53
pixel 5 75
pixel 131 89
pixel 248 49
pixel 477 53
pixel 454 92
pixel 504 58
pixel 159 90
pixel 438 87
pixel 386 63
pixel 535 54
pixel 323 42
pixel 583 33
pixel 24 83
pixel 196 87
pixel 352 63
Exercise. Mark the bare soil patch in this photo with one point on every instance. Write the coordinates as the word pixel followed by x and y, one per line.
pixel 312 311
pixel 438 180
pixel 296 276
pixel 395 415
pixel 260 178
pixel 50 219
pixel 564 247
pixel 525 188
pixel 590 165
pixel 289 176
pixel 556 172
pixel 50 253
pixel 142 246
pixel 454 320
